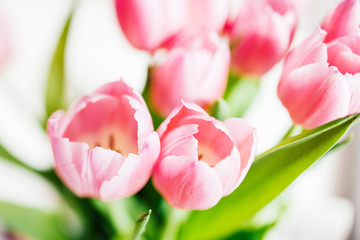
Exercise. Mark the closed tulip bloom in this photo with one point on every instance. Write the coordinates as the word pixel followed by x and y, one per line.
pixel 195 69
pixel 105 145
pixel 209 14
pixel 321 81
pixel 149 24
pixel 201 159
pixel 344 20
pixel 260 36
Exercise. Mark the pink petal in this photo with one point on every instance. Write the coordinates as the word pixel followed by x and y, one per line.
pixel 311 50
pixel 186 183
pixel 244 137
pixel 344 20
pixel 354 88
pixel 134 172
pixel 228 171
pixel 344 53
pixel 308 91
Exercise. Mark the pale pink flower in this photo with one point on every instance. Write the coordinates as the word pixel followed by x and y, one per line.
pixel 321 81
pixel 260 35
pixel 208 14
pixel 195 69
pixel 343 20
pixel 201 159
pixel 151 24
pixel 105 145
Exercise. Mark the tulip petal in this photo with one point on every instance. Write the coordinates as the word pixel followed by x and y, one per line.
pixel 344 53
pixel 244 137
pixel 134 172
pixel 311 50
pixel 309 91
pixel 344 20
pixel 186 183
pixel 354 88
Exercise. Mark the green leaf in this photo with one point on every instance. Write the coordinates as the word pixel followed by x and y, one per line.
pixel 140 225
pixel 251 233
pixel 32 222
pixel 273 171
pixel 240 93
pixel 55 86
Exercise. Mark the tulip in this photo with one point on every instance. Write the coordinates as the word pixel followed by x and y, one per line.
pixel 260 36
pixel 201 159
pixel 105 145
pixel 321 81
pixel 209 14
pixel 195 69
pixel 151 24
pixel 344 20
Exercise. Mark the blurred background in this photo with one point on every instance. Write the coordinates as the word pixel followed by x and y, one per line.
pixel 324 203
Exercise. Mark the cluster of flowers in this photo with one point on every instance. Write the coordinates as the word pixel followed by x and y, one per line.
pixel 105 145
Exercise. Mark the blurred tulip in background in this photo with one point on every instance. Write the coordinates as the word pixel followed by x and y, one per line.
pixel 194 69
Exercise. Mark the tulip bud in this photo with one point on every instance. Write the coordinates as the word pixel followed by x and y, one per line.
pixel 321 82
pixel 105 145
pixel 260 36
pixel 150 24
pixel 195 69
pixel 201 159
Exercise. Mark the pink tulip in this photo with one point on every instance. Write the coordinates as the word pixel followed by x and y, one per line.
pixel 105 145
pixel 344 20
pixel 195 69
pixel 209 14
pixel 201 159
pixel 321 82
pixel 150 24
pixel 261 35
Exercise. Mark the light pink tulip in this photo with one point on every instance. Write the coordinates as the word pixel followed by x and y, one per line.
pixel 321 82
pixel 150 24
pixel 208 14
pixel 105 145
pixel 260 35
pixel 344 20
pixel 201 159
pixel 195 69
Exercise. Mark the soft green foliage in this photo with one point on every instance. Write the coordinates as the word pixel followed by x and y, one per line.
pixel 140 225
pixel 240 93
pixel 270 174
pixel 55 86
pixel 33 222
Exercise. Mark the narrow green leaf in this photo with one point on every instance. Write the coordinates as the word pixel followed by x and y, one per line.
pixel 273 171
pixel 55 86
pixel 32 222
pixel 140 225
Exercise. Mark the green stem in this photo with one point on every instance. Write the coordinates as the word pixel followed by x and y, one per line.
pixel 172 223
